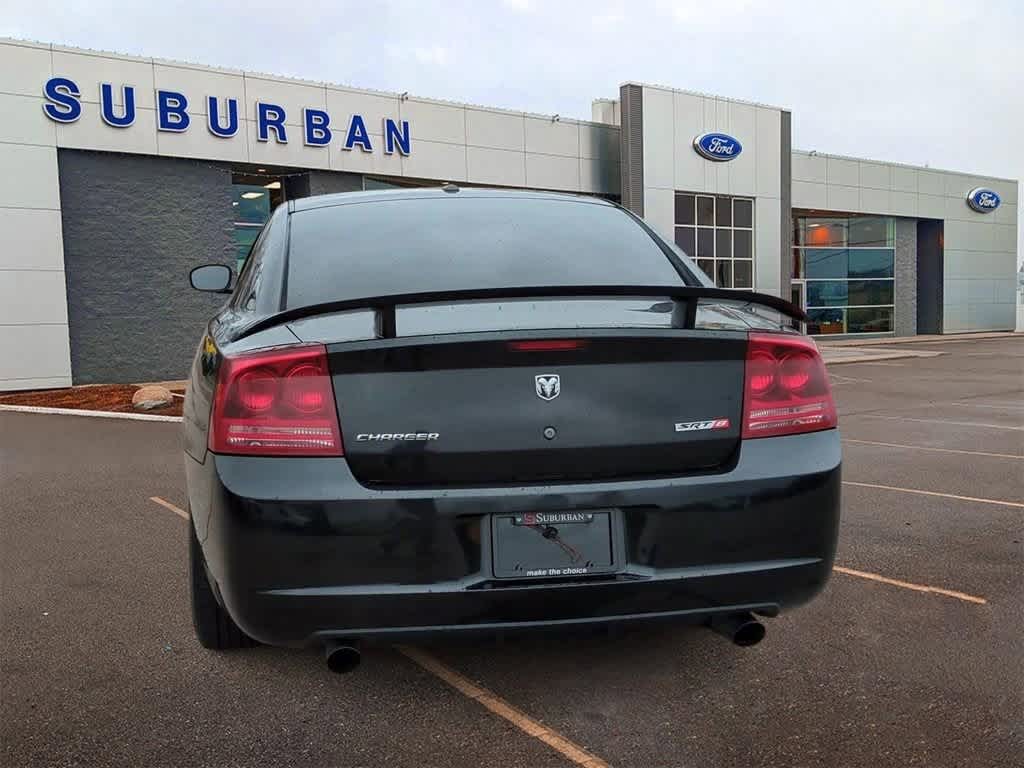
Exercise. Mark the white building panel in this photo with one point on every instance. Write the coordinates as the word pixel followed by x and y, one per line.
pixel 746 172
pixel 904 179
pixel 690 168
pixel 35 170
pixel 30 238
pixel 295 152
pixel 552 172
pixel 545 136
pixel 495 166
pixel 24 121
pixel 875 175
pixel 20 294
pixel 659 140
pixel 374 108
pixel 843 172
pixel 495 130
pixel 34 356
pixel 291 95
pixel 357 161
pixel 24 68
pixel 197 85
pixel 436 160
pixel 768 153
pixel 435 122
pixel 90 132
pixel 807 167
pixel 199 143
pixel 88 70
pixel 659 211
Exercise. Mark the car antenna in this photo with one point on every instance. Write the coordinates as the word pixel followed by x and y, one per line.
pixel 449 187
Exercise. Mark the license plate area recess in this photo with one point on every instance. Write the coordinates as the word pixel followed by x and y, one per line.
pixel 537 545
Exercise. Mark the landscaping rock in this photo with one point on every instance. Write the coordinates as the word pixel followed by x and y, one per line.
pixel 148 398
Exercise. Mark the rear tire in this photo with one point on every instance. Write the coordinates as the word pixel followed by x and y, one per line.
pixel 214 628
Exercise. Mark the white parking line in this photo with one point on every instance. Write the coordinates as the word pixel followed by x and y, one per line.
pixel 503 709
pixel 936 493
pixel 980 425
pixel 850 378
pixel 166 504
pixel 910 585
pixel 1003 407
pixel 936 450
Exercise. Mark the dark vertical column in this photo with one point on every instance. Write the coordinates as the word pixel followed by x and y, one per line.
pixel 631 147
pixel 929 276
pixel 786 206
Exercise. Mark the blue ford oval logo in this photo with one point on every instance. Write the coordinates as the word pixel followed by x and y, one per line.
pixel 983 200
pixel 717 146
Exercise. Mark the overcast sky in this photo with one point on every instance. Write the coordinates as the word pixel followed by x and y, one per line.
pixel 938 82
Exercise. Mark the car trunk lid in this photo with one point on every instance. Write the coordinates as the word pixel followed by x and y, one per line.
pixel 462 410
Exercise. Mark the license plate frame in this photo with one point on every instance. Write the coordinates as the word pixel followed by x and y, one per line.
pixel 592 544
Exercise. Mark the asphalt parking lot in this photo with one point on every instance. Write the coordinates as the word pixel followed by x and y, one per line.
pixel 913 655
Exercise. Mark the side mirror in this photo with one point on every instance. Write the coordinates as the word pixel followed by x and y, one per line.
pixel 215 278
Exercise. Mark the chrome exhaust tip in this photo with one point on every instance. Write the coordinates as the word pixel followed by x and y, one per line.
pixel 741 628
pixel 342 656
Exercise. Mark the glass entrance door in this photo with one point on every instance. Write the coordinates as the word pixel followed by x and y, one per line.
pixel 798 296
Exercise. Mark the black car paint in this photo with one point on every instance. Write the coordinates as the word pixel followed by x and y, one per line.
pixel 302 551
pixel 299 550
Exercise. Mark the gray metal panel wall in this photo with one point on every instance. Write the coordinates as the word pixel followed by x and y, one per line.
pixel 133 228
pixel 905 271
pixel 631 147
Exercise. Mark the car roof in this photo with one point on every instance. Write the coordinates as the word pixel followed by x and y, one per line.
pixel 447 191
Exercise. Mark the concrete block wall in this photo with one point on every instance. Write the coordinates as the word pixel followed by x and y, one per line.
pixel 134 226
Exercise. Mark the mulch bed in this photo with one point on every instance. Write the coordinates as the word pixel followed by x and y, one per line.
pixel 102 397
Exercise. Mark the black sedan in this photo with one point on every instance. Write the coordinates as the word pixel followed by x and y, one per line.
pixel 466 410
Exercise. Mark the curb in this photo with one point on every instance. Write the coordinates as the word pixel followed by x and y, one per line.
pixel 881 357
pixel 97 414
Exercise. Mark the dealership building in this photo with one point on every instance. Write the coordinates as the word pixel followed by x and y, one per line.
pixel 123 173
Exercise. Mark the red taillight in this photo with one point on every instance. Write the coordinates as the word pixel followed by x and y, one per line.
pixel 787 389
pixel 546 345
pixel 277 402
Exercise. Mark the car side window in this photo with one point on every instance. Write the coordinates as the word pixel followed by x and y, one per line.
pixel 249 282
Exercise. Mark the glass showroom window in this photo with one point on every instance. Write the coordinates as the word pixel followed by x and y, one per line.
pixel 252 200
pixel 718 232
pixel 846 264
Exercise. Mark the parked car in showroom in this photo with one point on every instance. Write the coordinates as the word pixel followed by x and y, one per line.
pixel 474 410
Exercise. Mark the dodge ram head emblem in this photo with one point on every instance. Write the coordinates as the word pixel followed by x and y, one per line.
pixel 549 385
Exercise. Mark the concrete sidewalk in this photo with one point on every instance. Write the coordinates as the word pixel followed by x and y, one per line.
pixel 923 339
pixel 833 355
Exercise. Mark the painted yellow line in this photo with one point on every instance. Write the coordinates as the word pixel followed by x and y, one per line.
pixel 937 421
pixel 909 585
pixel 999 502
pixel 937 450
pixel 176 510
pixel 503 709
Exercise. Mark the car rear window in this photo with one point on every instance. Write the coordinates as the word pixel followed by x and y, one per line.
pixel 387 247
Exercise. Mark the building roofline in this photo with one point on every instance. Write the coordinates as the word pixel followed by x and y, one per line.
pixel 815 153
pixel 704 95
pixel 253 74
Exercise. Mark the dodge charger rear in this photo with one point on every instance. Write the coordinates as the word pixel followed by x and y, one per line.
pixel 455 410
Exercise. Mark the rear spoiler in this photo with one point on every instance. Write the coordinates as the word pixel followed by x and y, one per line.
pixel 684 314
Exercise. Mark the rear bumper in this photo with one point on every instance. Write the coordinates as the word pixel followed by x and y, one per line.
pixel 300 551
